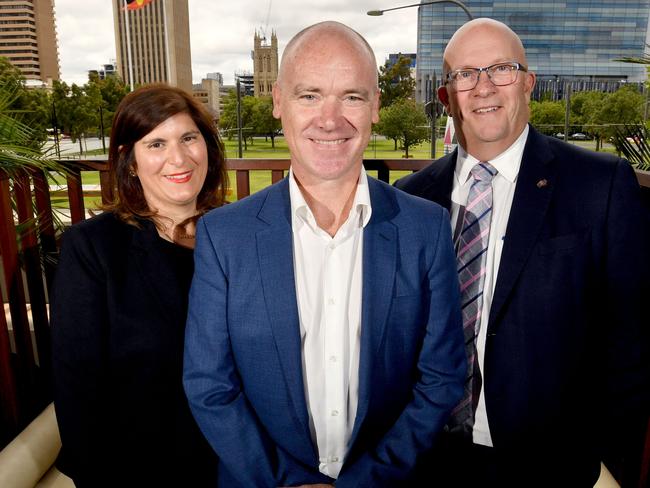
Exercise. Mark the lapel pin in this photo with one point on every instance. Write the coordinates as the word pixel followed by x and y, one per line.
pixel 542 183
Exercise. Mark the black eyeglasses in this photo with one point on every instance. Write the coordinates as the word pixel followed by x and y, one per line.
pixel 500 74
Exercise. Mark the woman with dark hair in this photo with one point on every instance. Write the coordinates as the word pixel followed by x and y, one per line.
pixel 119 302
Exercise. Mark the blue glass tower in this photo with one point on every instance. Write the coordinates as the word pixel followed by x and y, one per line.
pixel 565 40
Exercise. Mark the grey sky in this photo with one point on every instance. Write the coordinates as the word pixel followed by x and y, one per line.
pixel 222 30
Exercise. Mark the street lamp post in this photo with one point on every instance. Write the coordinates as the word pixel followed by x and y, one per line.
pixel 376 13
pixel 434 97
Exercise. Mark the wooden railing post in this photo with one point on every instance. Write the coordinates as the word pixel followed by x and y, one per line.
pixel 75 195
pixel 9 406
pixel 33 272
pixel 45 218
pixel 243 183
pixel 25 371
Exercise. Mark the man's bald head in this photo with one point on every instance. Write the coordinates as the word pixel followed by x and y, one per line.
pixel 319 37
pixel 478 29
pixel 488 117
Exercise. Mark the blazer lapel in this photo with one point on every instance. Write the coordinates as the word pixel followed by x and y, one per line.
pixel 379 268
pixel 275 252
pixel 535 184
pixel 156 272
pixel 441 179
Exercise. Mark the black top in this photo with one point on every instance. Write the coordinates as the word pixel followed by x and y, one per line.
pixel 118 310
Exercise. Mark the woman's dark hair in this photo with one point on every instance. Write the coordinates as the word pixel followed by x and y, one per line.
pixel 139 113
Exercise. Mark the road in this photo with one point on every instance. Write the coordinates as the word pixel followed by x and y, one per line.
pixel 69 148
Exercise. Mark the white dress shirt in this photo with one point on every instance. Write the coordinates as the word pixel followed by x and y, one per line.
pixel 328 275
pixel 503 189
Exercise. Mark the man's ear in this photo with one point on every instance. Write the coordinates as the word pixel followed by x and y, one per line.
pixel 275 92
pixel 443 96
pixel 376 105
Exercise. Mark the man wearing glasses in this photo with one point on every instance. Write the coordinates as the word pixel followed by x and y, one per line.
pixel 552 248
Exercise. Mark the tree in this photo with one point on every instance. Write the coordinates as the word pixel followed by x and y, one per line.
pixel 263 120
pixel 624 106
pixel 76 112
pixel 601 113
pixel 228 120
pixel 403 121
pixel 395 82
pixel 547 115
pixel 29 106
pixel 112 90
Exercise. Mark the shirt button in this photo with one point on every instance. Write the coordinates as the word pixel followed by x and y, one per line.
pixel 331 301
pixel 333 359
pixel 335 413
pixel 334 459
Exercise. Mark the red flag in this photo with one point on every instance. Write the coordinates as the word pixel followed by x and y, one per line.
pixel 136 4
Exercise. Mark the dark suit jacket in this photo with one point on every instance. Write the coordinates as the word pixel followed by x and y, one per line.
pixel 566 339
pixel 243 358
pixel 118 316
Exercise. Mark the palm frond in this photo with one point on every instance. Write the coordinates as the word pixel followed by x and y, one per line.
pixel 17 149
pixel 645 59
pixel 632 142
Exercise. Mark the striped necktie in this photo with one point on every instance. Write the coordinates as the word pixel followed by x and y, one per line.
pixel 471 258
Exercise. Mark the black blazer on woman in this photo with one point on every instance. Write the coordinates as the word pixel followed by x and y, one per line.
pixel 118 317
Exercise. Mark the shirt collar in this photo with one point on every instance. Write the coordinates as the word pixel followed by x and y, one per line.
pixel 301 213
pixel 507 163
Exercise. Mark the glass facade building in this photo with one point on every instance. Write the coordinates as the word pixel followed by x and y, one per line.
pixel 565 40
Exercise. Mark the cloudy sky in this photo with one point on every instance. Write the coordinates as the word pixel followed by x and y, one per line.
pixel 222 30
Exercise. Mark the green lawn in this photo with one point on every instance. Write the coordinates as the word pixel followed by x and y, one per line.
pixel 379 148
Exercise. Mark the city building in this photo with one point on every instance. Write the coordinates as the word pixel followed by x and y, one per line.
pixel 224 92
pixel 566 41
pixel 208 92
pixel 153 42
pixel 393 57
pixel 105 71
pixel 265 64
pixel 246 82
pixel 28 38
pixel 215 76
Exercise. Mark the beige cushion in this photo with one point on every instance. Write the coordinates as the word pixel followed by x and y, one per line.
pixel 606 480
pixel 31 455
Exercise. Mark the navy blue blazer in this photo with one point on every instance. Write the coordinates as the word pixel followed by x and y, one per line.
pixel 566 360
pixel 243 367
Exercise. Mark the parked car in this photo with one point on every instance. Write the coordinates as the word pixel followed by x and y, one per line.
pixel 559 135
pixel 579 136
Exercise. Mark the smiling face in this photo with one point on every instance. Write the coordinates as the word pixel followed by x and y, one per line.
pixel 488 119
pixel 171 164
pixel 327 98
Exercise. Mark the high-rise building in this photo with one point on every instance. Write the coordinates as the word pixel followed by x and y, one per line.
pixel 265 64
pixel 573 41
pixel 208 92
pixel 153 43
pixel 215 76
pixel 28 38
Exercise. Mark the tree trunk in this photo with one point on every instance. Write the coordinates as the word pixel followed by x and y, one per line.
pixel 395 141
pixel 272 142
